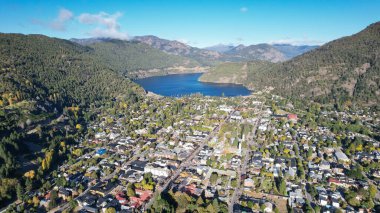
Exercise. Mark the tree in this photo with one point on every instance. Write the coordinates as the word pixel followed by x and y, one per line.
pixel 276 210
pixel 53 199
pixel 368 204
pixel 234 183
pixel 30 174
pixel 215 205
pixel 262 207
pixel 309 153
pixel 36 201
pixel 356 172
pixel 309 209
pixel 131 190
pixel 61 181
pixel 317 209
pixel 110 210
pixel 210 208
pixel 19 192
pixel 200 201
pixel 266 185
pixel 161 205
pixel 372 191
pixel 282 187
pixel 182 200
pixel 73 203
pixel 213 178
pixel 28 184
pixel 235 143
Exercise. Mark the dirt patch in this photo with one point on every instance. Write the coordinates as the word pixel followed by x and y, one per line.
pixel 317 91
pixel 371 83
pixel 322 71
pixel 279 201
pixel 349 86
pixel 363 69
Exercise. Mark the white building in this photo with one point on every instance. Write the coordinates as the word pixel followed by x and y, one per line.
pixel 157 171
pixel 340 156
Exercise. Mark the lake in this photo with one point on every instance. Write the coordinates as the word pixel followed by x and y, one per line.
pixel 186 84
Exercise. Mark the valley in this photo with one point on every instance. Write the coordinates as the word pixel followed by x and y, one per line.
pixel 146 124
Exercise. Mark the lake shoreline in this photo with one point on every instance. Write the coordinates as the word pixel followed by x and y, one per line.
pixel 140 74
pixel 182 84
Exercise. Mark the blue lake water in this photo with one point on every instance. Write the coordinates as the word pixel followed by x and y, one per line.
pixel 186 84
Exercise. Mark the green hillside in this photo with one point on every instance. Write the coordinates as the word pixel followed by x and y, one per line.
pixel 42 78
pixel 344 69
pixel 127 57
pixel 232 72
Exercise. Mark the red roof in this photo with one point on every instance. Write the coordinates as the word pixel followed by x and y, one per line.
pixel 190 188
pixel 120 196
pixel 144 194
pixel 292 117
pixel 47 196
pixel 333 180
pixel 135 202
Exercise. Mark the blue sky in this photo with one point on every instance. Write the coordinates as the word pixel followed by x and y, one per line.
pixel 198 23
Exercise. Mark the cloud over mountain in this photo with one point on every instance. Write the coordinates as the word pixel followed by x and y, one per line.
pixel 106 24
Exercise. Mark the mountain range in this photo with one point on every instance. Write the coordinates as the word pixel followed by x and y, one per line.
pixel 223 53
pixel 37 66
pixel 145 56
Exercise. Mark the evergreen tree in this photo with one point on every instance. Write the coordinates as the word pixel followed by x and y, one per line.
pixel 20 192
pixel 282 187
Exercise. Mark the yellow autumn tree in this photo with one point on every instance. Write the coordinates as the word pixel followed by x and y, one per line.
pixel 30 174
pixel 36 201
pixel 62 144
pixel 46 163
pixel 78 126
pixel 359 148
pixel 77 152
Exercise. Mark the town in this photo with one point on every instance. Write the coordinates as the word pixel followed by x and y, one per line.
pixel 256 153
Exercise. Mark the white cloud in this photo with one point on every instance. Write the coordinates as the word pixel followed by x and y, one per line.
pixel 106 24
pixel 59 23
pixel 244 9
pixel 63 16
pixel 296 41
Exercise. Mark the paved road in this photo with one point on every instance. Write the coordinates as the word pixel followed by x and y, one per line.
pixel 238 191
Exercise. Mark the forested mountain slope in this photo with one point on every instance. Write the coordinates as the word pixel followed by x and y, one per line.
pixel 344 69
pixel 236 73
pixel 128 56
pixel 37 66
pixel 41 78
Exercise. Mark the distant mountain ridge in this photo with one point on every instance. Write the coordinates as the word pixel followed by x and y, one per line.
pixel 202 56
pixel 291 51
pixel 211 56
pixel 221 48
pixel 266 52
pixel 225 53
